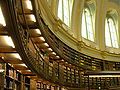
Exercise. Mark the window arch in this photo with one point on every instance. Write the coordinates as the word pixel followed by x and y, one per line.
pixel 87 24
pixel 65 11
pixel 111 35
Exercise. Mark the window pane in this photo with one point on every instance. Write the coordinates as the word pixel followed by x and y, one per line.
pixel 107 34
pixel 65 10
pixel 84 34
pixel 111 32
pixel 87 29
pixel 60 9
pixel 70 6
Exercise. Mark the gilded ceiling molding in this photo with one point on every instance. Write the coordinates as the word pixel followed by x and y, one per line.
pixel 80 45
pixel 103 54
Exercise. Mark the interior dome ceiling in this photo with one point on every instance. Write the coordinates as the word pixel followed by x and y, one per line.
pixel 73 35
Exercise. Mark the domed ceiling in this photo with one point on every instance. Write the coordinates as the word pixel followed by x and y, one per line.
pixel 81 24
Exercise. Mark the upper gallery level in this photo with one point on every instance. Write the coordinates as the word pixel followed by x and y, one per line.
pixel 88 26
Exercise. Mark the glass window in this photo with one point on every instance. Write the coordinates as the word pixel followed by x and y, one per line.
pixel 87 25
pixel 65 10
pixel 111 33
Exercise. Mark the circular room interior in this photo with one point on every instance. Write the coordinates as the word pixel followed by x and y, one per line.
pixel 59 44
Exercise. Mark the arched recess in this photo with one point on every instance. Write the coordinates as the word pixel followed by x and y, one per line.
pixel 113 12
pixel 111 29
pixel 88 22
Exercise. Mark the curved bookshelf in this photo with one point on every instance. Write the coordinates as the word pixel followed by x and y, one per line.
pixel 32 57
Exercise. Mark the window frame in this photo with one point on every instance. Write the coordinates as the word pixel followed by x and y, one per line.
pixel 110 17
pixel 69 10
pixel 86 24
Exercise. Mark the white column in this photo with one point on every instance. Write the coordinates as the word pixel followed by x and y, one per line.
pixel 77 18
pixel 100 23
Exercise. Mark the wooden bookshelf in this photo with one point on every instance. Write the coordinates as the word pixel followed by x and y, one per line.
pixel 11 79
pixel 27 83
pixel 2 74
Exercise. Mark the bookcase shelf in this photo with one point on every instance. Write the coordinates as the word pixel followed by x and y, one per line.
pixel 27 83
pixel 11 79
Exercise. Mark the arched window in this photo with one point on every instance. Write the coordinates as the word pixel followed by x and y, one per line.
pixel 65 11
pixel 87 25
pixel 111 37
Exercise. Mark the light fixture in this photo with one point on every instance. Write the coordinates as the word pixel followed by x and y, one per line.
pixel 42 38
pixel 3 57
pixel 50 49
pixel 29 5
pixel 54 53
pixel 23 65
pixel 66 62
pixel 32 17
pixel 9 41
pixel 18 70
pixel 10 64
pixel 46 44
pixel 28 70
pixel 2 70
pixel 16 55
pixel 57 57
pixel 2 20
pixel 38 31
